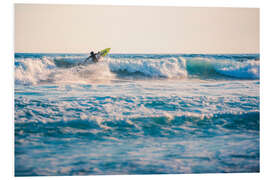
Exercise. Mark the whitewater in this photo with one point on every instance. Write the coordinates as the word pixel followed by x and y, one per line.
pixel 136 114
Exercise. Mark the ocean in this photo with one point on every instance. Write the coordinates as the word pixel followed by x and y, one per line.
pixel 136 114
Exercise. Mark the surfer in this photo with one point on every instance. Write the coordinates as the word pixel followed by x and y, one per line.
pixel 93 56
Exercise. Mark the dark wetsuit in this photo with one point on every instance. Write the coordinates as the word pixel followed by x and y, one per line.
pixel 94 58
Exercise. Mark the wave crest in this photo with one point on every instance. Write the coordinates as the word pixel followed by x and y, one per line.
pixel 44 70
pixel 167 68
pixel 66 70
pixel 248 69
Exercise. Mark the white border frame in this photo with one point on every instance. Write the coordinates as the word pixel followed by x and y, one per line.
pixel 7 83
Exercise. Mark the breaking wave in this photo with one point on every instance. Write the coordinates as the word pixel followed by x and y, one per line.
pixel 165 68
pixel 46 69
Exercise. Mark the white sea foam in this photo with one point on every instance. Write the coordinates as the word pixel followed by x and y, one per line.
pixel 168 67
pixel 35 71
pixel 44 70
pixel 31 71
pixel 247 69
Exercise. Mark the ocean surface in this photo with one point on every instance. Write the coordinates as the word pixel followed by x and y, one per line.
pixel 136 114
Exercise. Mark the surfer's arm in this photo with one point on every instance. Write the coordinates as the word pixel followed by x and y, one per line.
pixel 87 58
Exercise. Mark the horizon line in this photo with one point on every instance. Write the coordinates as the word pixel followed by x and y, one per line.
pixel 129 53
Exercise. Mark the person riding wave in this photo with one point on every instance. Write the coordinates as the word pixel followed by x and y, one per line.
pixel 93 56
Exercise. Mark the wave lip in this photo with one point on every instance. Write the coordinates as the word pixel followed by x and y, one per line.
pixel 165 68
pixel 32 71
pixel 247 70
pixel 220 68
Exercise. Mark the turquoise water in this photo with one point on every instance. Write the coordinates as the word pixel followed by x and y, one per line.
pixel 136 114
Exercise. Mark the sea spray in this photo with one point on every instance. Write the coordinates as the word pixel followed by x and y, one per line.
pixel 164 68
pixel 44 70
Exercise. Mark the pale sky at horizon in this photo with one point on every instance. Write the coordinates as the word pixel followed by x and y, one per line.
pixel 135 29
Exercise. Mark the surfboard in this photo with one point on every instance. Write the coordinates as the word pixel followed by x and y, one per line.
pixel 62 63
pixel 104 52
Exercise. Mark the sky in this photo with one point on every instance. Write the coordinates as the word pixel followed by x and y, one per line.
pixel 135 29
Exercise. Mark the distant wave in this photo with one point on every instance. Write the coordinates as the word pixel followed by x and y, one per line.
pixel 212 68
pixel 248 69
